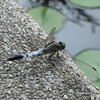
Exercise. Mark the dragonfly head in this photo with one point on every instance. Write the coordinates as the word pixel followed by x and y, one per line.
pixel 63 45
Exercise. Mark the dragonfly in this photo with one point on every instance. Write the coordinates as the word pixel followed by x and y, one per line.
pixel 51 48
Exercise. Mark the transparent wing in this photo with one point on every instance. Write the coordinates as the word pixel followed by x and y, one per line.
pixel 51 35
pixel 52 30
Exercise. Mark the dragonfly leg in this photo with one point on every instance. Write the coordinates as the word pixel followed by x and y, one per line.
pixel 58 57
pixel 51 55
pixel 50 59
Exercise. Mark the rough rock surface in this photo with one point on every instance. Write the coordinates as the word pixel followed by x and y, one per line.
pixel 35 78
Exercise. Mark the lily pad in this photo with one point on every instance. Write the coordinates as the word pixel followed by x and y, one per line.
pixel 47 18
pixel 87 3
pixel 89 62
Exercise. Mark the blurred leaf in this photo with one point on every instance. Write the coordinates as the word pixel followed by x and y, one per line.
pixel 47 18
pixel 87 3
pixel 89 62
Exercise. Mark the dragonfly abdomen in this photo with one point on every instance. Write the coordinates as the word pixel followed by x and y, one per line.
pixel 34 53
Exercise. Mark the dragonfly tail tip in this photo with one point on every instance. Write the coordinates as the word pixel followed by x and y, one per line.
pixel 15 58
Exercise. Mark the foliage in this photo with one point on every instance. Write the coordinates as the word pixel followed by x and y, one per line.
pixel 47 18
pixel 87 3
pixel 89 62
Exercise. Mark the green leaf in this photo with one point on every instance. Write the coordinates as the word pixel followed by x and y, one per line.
pixel 89 62
pixel 47 18
pixel 87 3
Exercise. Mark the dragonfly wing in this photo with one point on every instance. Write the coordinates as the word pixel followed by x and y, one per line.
pixel 52 30
pixel 51 35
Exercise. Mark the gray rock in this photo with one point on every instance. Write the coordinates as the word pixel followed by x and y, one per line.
pixel 35 78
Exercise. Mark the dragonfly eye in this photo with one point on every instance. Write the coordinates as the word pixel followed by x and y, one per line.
pixel 63 45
